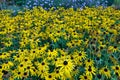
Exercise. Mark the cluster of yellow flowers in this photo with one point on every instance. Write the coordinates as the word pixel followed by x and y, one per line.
pixel 60 44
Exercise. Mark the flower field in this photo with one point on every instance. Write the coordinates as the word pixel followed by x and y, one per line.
pixel 63 44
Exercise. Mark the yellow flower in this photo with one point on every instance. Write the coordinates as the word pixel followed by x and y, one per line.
pixel 91 70
pixel 102 47
pixel 116 69
pixel 4 55
pixel 33 44
pixel 80 55
pixel 110 49
pixel 8 44
pixel 23 43
pixel 7 65
pixel 21 67
pixel 26 61
pixel 75 59
pixel 34 53
pixel 17 74
pixel 10 29
pixel 25 74
pixel 1 69
pixel 105 71
pixel 57 73
pixel 115 48
pixel 65 65
pixel 42 68
pixel 75 71
pixel 50 76
pixel 89 62
pixel 53 53
pixel 113 59
pixel 18 58
pixel 11 78
pixel 66 74
pixel 31 69
pixel 85 77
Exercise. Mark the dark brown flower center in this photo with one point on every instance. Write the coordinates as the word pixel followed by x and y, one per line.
pixel 50 76
pixel 57 71
pixel 80 54
pixel 90 69
pixel 21 65
pixel 85 77
pixel 115 47
pixel 19 72
pixel 25 73
pixel 105 70
pixel 26 59
pixel 55 59
pixel 0 67
pixel 4 71
pixel 88 60
pixel 43 63
pixel 117 68
pixel 18 56
pixel 33 51
pixel 65 62
pixel 28 67
pixel 101 47
pixel 72 57
pixel 116 73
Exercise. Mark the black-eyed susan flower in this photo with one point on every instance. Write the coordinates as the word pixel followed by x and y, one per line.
pixel 75 60
pixel 4 55
pixel 8 44
pixel 105 71
pixel 21 67
pixel 18 58
pixel 42 67
pixel 75 71
pixel 7 65
pixel 57 74
pixel 115 48
pixel 85 77
pixel 102 47
pixel 25 75
pixel 11 78
pixel 17 74
pixel 50 76
pixel 23 43
pixel 110 49
pixel 113 59
pixel 80 55
pixel 1 69
pixel 53 53
pixel 65 65
pixel 31 69
pixel 90 70
pixel 26 60
pixel 116 69
pixel 89 62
